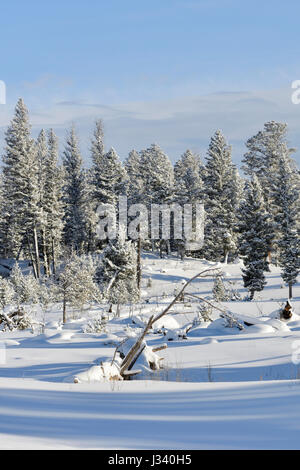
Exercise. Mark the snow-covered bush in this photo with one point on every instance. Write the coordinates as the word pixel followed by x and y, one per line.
pixel 46 294
pixel 234 293
pixel 117 272
pixel 220 292
pixel 75 283
pixel 96 325
pixel 203 315
pixel 26 287
pixel 224 291
pixel 7 292
pixel 17 320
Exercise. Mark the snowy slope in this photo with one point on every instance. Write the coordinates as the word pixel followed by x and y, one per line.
pixel 220 388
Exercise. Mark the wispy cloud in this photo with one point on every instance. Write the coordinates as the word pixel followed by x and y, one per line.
pixel 174 124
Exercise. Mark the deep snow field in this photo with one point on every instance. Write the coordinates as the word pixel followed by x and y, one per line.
pixel 219 388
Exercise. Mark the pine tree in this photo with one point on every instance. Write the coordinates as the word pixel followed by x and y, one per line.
pixel 97 151
pixel 255 237
pixel 26 287
pixel 75 283
pixel 158 182
pixel 111 179
pixel 262 159
pixel 117 273
pixel 109 175
pixel 7 293
pixel 286 199
pixel 219 290
pixel 20 188
pixel 2 219
pixel 134 172
pixel 221 200
pixel 52 203
pixel 75 195
pixel 42 152
pixel 262 156
pixel 158 176
pixel 188 187
pixel 91 216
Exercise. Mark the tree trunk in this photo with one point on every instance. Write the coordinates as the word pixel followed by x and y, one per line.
pixel 46 264
pixel 139 266
pixel 290 290
pixel 135 351
pixel 49 263
pixel 161 243
pixel 64 309
pixel 252 294
pixel 36 251
pixel 53 257
pixel 31 257
pixel 270 256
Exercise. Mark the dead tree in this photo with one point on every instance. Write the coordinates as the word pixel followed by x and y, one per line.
pixel 138 347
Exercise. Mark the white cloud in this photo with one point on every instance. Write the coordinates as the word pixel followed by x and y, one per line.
pixel 174 124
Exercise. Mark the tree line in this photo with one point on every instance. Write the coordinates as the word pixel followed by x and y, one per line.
pixel 48 205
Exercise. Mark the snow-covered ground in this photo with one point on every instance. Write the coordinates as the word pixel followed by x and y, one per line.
pixel 220 387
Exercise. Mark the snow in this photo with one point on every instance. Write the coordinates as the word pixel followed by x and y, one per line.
pixel 219 388
pixel 150 415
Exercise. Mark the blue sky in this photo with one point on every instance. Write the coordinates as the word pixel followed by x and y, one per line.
pixel 168 71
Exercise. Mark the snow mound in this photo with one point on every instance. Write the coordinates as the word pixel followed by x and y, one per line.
pixel 64 335
pixel 258 329
pixel 11 342
pixel 219 327
pixel 71 324
pixel 105 371
pixel 294 325
pixel 277 324
pixel 175 335
pixel 148 360
pixel 167 322
pixel 209 341
pixel 136 320
pixel 53 325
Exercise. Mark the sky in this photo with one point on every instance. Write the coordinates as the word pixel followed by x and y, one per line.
pixel 169 72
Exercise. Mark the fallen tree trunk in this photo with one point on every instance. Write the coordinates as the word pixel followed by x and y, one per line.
pixel 137 349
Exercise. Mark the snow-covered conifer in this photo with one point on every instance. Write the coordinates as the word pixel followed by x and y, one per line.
pixel 265 150
pixel 135 181
pixel 75 195
pixel 26 287
pixel 221 200
pixel 109 175
pixel 20 186
pixel 75 282
pixel 117 273
pixel 188 184
pixel 52 203
pixel 7 292
pixel 219 290
pixel 286 198
pixel 255 237
pixel 158 176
